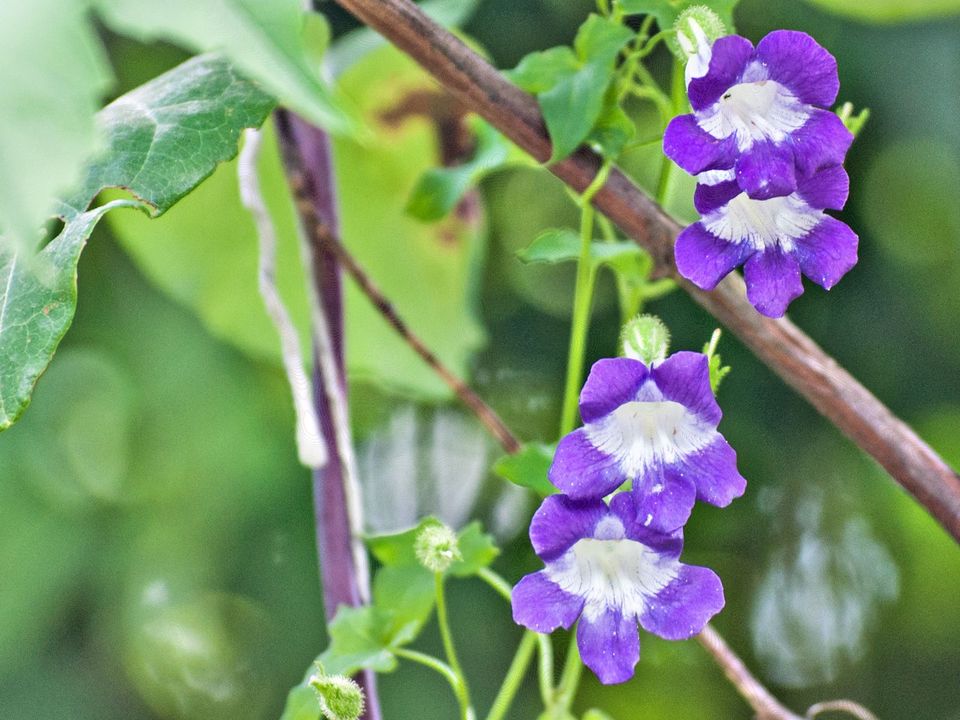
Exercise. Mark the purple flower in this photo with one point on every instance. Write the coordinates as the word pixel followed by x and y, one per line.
pixel 775 239
pixel 655 427
pixel 760 111
pixel 613 573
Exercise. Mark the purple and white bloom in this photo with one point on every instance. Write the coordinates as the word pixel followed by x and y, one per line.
pixel 775 239
pixel 761 112
pixel 656 427
pixel 613 573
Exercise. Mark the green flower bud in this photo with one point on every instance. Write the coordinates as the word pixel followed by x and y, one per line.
pixel 436 548
pixel 340 697
pixel 697 28
pixel 645 338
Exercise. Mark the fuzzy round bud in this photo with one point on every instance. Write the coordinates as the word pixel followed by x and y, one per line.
pixel 697 28
pixel 436 548
pixel 340 697
pixel 645 338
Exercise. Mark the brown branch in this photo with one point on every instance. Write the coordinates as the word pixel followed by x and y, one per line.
pixel 778 343
pixel 484 412
pixel 757 696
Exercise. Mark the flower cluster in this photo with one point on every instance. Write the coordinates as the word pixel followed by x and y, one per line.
pixel 768 158
pixel 650 431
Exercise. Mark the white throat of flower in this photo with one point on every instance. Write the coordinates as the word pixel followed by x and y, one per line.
pixel 754 110
pixel 763 224
pixel 639 434
pixel 610 571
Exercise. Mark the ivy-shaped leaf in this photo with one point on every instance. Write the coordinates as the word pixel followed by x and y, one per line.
pixel 37 303
pixel 558 245
pixel 528 468
pixel 440 189
pixel 53 72
pixel 570 85
pixel 167 136
pixel 363 637
pixel 163 139
pixel 264 38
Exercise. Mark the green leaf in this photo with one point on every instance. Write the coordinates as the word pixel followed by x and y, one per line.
pixel 613 129
pixel 263 37
pixel 440 189
pixel 572 107
pixel 891 11
pixel 301 704
pixel 552 246
pixel 37 305
pixel 53 72
pixel 571 85
pixel 408 592
pixel 477 550
pixel 168 135
pixel 528 468
pixel 542 70
pixel 163 139
pixel 599 41
pixel 363 637
pixel 667 11
pixel 558 245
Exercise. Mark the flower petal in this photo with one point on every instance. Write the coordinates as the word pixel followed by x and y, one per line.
pixel 581 470
pixel 661 503
pixel 694 149
pixel 729 58
pixel 541 605
pixel 822 141
pixel 704 259
pixel 684 377
pixel 560 522
pixel 710 198
pixel 767 170
pixel 713 470
pixel 611 383
pixel 609 645
pixel 681 609
pixel 828 252
pixel 773 281
pixel 801 64
pixel 632 509
pixel 825 189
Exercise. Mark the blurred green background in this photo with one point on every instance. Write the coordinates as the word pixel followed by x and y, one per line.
pixel 156 536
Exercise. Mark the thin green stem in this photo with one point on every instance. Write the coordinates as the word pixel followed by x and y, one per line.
pixel 677 100
pixel 496 582
pixel 570 678
pixel 545 669
pixel 514 677
pixel 433 663
pixel 582 297
pixel 463 692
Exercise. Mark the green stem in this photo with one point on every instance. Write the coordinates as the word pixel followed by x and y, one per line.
pixel 511 683
pixel 496 582
pixel 678 91
pixel 433 663
pixel 582 297
pixel 463 692
pixel 545 669
pixel 545 674
pixel 570 679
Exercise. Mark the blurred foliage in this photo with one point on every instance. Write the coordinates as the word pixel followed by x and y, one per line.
pixel 891 11
pixel 157 539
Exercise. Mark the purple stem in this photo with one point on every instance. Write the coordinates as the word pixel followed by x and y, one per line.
pixel 309 165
